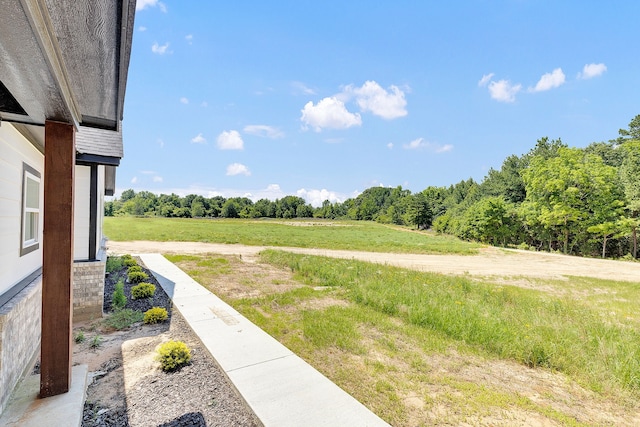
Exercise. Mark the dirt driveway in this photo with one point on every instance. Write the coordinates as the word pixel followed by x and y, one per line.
pixel 490 262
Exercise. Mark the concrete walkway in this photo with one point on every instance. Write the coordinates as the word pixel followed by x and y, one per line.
pixel 281 388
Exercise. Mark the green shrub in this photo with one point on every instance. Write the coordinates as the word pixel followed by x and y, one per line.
pixel 128 260
pixel 137 276
pixel 122 319
pixel 79 337
pixel 114 263
pixel 155 315
pixel 134 268
pixel 173 355
pixel 118 299
pixel 143 290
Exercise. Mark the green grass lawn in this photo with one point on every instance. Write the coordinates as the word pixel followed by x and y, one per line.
pixel 349 235
pixel 406 343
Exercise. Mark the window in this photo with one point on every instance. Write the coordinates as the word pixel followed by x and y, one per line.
pixel 29 236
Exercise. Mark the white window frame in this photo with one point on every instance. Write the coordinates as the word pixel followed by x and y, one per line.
pixel 30 215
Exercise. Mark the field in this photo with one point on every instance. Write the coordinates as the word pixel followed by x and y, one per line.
pixel 348 235
pixel 458 349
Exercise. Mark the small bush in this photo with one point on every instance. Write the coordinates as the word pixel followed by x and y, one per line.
pixel 143 290
pixel 114 263
pixel 122 319
pixel 118 299
pixel 137 276
pixel 155 315
pixel 128 260
pixel 79 337
pixel 173 355
pixel 134 268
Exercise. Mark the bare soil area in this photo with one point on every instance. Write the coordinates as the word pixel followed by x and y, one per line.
pixel 490 262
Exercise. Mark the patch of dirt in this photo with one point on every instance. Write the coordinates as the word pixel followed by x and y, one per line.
pixel 489 262
pixel 130 389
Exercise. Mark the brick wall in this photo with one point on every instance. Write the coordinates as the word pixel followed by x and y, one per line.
pixel 19 337
pixel 88 290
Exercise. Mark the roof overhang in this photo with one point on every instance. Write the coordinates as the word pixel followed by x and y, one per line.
pixel 65 60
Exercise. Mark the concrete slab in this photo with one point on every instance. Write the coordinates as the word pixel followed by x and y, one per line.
pixel 281 388
pixel 65 410
pixel 288 392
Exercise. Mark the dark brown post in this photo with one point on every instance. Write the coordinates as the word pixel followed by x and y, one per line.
pixel 57 258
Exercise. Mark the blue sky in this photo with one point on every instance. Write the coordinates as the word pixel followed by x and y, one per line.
pixel 325 99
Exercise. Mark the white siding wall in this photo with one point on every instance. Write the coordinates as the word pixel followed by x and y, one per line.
pixel 15 149
pixel 81 213
pixel 100 207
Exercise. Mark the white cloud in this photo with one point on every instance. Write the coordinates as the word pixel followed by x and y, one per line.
pixel 147 172
pixel 592 70
pixel 143 4
pixel 444 148
pixel 300 88
pixel 204 104
pixel 374 98
pixel 184 100
pixel 237 169
pixel 160 50
pixel 549 81
pixel 198 139
pixel 189 38
pixel 134 179
pixel 160 142
pixel 157 178
pixel 329 113
pixel 421 143
pixel 503 90
pixel 264 131
pixel 485 80
pixel 230 140
pixel 142 28
pixel 316 197
pixel 415 144
pixel 390 146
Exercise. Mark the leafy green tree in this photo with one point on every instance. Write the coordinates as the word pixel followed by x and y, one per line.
pixel 418 212
pixel 230 209
pixel 491 220
pixel 570 192
pixel 127 195
pixel 630 179
pixel 197 209
pixel 633 133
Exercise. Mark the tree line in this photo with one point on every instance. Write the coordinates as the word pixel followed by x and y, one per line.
pixel 582 201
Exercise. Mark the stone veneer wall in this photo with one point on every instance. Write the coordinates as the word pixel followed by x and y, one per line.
pixel 20 328
pixel 88 287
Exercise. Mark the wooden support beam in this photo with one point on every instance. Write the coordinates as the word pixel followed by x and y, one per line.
pixel 57 258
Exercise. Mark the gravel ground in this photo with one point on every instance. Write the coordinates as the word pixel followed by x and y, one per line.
pixel 130 390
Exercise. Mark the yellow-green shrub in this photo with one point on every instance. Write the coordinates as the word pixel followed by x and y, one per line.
pixel 173 355
pixel 143 290
pixel 128 260
pixel 155 315
pixel 134 268
pixel 137 276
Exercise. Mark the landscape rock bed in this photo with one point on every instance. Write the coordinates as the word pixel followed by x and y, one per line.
pixel 159 299
pixel 130 389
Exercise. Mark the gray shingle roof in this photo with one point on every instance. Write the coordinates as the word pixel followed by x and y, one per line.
pixel 99 142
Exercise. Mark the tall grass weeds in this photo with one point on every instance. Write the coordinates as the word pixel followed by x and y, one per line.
pixel 537 329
